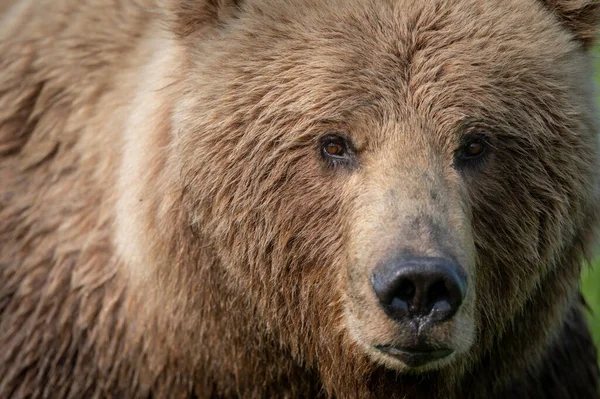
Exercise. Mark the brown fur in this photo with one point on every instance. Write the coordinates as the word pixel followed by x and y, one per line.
pixel 168 228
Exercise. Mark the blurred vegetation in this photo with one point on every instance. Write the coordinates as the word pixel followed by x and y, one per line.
pixel 590 284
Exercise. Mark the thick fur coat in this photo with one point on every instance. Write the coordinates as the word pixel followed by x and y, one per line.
pixel 170 226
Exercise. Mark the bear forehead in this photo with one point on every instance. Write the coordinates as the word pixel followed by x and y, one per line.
pixel 377 49
pixel 354 35
pixel 367 63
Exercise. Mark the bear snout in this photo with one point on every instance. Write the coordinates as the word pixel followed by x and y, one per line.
pixel 419 290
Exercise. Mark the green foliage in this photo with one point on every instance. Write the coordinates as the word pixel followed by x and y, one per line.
pixel 590 284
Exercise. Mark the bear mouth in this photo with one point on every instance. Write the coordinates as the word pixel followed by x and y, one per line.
pixel 415 357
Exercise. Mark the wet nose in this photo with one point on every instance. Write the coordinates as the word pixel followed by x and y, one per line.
pixel 420 287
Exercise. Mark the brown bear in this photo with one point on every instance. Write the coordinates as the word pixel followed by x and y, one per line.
pixel 296 198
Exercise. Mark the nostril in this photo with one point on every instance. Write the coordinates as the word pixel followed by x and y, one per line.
pixel 405 291
pixel 439 301
pixel 437 292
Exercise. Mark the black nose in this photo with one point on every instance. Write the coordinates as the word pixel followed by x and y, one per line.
pixel 420 287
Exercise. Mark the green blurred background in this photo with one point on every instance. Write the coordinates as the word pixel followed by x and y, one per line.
pixel 590 283
pixel 590 280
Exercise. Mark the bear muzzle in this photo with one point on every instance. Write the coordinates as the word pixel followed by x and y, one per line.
pixel 419 292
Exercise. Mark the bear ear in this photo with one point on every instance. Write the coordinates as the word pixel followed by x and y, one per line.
pixel 579 16
pixel 189 16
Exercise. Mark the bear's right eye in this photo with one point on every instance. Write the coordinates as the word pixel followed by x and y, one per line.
pixel 335 148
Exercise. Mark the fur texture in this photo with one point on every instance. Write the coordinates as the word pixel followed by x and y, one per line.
pixel 169 227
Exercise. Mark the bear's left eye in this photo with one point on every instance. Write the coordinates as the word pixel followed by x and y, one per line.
pixel 472 149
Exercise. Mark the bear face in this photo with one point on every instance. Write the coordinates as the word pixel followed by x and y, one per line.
pixel 351 138
pixel 255 198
